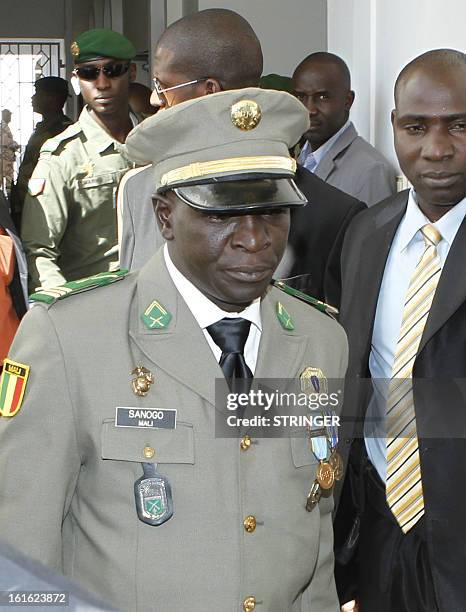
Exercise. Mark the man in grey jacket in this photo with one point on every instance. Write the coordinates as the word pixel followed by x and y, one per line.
pixel 333 150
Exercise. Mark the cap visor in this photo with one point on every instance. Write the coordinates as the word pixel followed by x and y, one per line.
pixel 241 195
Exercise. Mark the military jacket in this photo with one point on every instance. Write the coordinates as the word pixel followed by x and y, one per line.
pixel 239 533
pixel 69 218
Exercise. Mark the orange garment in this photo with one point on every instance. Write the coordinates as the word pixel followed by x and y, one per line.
pixel 8 318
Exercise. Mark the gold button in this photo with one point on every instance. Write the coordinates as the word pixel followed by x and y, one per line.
pixel 250 523
pixel 249 604
pixel 149 452
pixel 245 442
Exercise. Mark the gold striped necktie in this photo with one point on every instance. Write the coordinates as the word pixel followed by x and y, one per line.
pixel 404 483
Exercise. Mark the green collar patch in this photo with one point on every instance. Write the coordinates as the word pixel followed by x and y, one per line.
pixel 49 296
pixel 155 316
pixel 284 317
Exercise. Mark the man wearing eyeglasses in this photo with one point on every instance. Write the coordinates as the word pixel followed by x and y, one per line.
pixel 204 53
pixel 69 221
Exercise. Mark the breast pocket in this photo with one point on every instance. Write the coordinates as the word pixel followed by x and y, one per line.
pixel 99 188
pixel 155 445
pixel 301 451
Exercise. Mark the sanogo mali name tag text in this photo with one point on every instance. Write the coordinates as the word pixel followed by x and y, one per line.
pixel 158 418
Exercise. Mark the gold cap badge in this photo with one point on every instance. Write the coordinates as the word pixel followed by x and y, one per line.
pixel 246 114
pixel 75 50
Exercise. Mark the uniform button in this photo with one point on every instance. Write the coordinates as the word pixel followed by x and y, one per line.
pixel 250 523
pixel 249 604
pixel 245 442
pixel 148 452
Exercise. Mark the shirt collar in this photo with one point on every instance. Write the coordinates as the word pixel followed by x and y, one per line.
pixel 322 150
pixel 414 219
pixel 96 134
pixel 204 311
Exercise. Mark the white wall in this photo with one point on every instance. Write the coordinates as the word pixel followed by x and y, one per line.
pixel 39 19
pixel 288 30
pixel 377 38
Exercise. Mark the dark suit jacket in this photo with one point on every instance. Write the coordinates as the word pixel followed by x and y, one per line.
pixel 17 291
pixel 317 233
pixel 439 383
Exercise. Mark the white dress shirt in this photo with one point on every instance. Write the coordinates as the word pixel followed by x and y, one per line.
pixel 317 155
pixel 207 313
pixel 405 253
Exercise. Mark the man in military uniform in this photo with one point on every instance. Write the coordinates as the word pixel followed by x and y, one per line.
pixel 111 470
pixel 69 221
pixel 48 100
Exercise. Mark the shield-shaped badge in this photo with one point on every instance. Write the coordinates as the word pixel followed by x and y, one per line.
pixel 154 502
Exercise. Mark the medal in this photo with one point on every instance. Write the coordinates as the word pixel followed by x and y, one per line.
pixel 153 495
pixel 319 446
pixel 336 463
pixel 325 475
pixel 313 497
pixel 332 430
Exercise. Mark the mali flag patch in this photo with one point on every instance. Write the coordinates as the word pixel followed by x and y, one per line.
pixel 12 386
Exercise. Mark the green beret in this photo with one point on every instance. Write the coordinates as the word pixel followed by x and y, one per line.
pixel 101 42
pixel 275 81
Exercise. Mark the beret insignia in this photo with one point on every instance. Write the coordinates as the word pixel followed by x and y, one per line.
pixel 74 49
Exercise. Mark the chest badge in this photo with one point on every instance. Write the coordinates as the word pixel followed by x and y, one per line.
pixel 143 381
pixel 153 496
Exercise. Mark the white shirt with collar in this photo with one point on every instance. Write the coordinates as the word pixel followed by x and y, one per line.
pixel 405 253
pixel 319 153
pixel 207 313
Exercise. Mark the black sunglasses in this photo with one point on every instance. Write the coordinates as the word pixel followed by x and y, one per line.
pixel 91 73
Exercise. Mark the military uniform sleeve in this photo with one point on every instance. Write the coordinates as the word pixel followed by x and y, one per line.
pixel 45 217
pixel 39 458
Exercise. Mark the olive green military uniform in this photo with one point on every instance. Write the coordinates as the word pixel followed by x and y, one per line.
pixel 67 472
pixel 241 536
pixel 69 218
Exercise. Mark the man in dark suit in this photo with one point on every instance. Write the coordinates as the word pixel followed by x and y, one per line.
pixel 203 44
pixel 404 309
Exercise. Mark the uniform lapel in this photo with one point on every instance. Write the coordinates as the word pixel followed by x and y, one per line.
pixel 280 351
pixel 327 163
pixel 451 290
pixel 180 349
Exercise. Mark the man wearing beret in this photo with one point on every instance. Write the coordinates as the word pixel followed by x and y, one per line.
pixel 69 221
pixel 48 100
pixel 111 470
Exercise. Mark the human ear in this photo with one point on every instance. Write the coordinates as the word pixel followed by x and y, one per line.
pixel 163 212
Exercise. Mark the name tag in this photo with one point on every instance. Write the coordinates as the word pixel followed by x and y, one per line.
pixel 157 418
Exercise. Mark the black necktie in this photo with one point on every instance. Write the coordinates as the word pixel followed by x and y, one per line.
pixel 230 336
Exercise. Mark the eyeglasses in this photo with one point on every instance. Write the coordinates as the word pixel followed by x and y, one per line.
pixel 91 73
pixel 159 90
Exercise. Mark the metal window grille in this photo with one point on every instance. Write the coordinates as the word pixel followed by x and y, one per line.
pixel 22 62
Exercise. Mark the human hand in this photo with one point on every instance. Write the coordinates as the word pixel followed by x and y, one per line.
pixel 350 606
